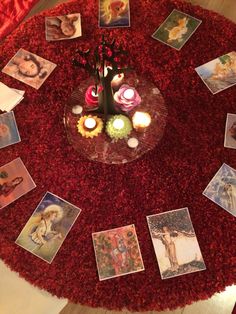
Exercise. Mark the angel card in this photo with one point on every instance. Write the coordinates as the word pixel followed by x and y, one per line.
pixel 222 189
pixel 9 133
pixel 15 181
pixel 176 30
pixel 47 228
pixel 29 68
pixel 63 27
pixel 175 243
pixel 117 252
pixel 220 73
pixel 230 131
pixel 114 13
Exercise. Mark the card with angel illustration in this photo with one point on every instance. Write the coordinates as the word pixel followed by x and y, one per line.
pixel 175 243
pixel 222 189
pixel 117 252
pixel 47 228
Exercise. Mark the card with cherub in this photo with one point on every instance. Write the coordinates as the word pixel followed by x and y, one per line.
pixel 63 27
pixel 176 30
pixel 29 68
pixel 47 228
pixel 117 252
pixel 230 131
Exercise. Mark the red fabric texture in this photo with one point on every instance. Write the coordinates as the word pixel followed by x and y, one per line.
pixel 171 176
pixel 234 309
pixel 12 12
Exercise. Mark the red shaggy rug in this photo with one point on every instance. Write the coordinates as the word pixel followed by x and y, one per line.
pixel 171 176
pixel 12 12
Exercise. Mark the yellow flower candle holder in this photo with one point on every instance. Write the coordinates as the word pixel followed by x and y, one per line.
pixel 90 126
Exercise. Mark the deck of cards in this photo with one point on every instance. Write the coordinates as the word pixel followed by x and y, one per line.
pixel 9 97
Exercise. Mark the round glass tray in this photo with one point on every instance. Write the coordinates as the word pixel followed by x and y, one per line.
pixel 104 149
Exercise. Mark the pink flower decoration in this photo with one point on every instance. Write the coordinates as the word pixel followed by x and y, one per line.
pixel 90 99
pixel 127 98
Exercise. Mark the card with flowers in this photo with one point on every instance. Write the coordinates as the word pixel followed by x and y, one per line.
pixel 117 252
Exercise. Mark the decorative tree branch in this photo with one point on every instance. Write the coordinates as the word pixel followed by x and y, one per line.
pixel 103 66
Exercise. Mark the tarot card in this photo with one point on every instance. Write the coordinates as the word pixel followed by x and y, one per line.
pixel 29 68
pixel 113 13
pixel 176 30
pixel 220 73
pixel 117 252
pixel 63 27
pixel 222 189
pixel 8 130
pixel 175 243
pixel 47 228
pixel 15 181
pixel 230 131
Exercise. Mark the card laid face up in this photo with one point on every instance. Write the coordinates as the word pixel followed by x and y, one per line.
pixel 15 181
pixel 114 13
pixel 222 189
pixel 8 130
pixel 175 243
pixel 117 252
pixel 176 29
pixel 220 73
pixel 29 68
pixel 230 131
pixel 63 27
pixel 48 227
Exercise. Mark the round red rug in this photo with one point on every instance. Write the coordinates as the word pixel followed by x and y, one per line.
pixel 171 176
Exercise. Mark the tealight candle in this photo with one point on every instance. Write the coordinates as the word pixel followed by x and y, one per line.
pixel 77 109
pixel 133 142
pixel 118 124
pixel 128 94
pixel 117 79
pixel 141 120
pixel 90 123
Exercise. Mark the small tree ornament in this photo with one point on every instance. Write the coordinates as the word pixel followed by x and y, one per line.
pixel 103 66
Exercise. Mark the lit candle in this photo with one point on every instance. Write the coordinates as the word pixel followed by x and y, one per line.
pixel 141 120
pixel 94 94
pixel 128 94
pixel 118 124
pixel 90 123
pixel 117 79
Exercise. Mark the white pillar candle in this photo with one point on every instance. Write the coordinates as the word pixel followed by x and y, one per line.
pixel 128 94
pixel 118 124
pixel 90 123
